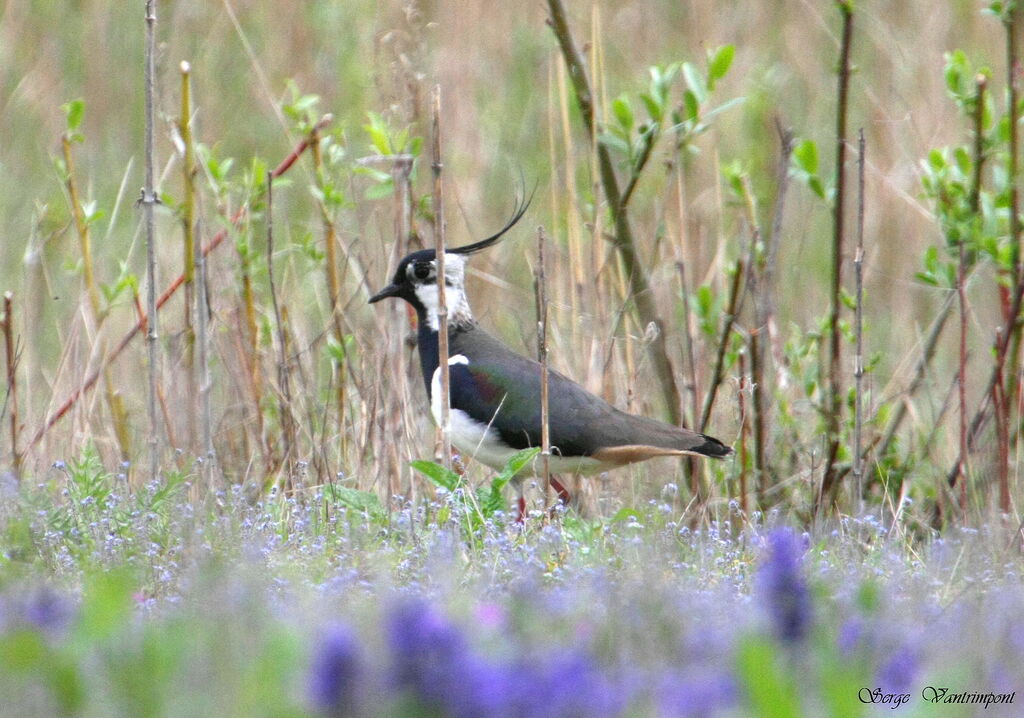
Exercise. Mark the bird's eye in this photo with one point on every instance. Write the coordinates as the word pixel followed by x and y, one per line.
pixel 421 270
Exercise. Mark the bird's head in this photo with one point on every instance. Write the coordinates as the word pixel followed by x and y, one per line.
pixel 415 279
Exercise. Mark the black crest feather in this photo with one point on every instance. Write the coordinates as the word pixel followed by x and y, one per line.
pixel 517 214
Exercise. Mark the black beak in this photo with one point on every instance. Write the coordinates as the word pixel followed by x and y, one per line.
pixel 392 290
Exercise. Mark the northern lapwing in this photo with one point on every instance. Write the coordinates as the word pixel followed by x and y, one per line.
pixel 495 407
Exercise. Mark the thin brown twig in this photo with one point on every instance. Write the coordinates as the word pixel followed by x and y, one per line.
pixel 12 380
pixel 858 361
pixel 442 301
pixel 540 288
pixel 833 406
pixel 148 201
pixel 169 292
pixel 723 344
pixel 625 244
pixel 283 374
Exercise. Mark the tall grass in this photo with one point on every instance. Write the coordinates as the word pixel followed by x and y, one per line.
pixel 708 286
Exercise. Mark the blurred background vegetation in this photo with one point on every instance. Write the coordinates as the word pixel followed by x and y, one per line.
pixel 263 72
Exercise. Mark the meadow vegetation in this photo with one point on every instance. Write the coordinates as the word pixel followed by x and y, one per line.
pixel 805 242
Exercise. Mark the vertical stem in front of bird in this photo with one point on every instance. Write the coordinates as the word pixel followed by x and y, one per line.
pixel 188 167
pixel 442 303
pixel 540 288
pixel 287 431
pixel 833 405
pixel 148 201
pixel 1014 323
pixel 11 354
pixel 858 360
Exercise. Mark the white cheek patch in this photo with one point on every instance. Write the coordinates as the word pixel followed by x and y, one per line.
pixel 455 297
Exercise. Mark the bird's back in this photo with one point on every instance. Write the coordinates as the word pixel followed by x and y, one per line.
pixel 502 388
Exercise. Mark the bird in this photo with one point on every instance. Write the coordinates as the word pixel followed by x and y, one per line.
pixel 495 392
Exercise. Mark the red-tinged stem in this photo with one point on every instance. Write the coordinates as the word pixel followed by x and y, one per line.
pixel 174 286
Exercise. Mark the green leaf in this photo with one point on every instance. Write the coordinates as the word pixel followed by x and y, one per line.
pixel 614 143
pixel 805 155
pixel 719 63
pixel 623 112
pixel 445 478
pixel 695 82
pixel 515 463
pixel 381 190
pixel 770 692
pixel 74 111
pixel 365 502
pixel 626 513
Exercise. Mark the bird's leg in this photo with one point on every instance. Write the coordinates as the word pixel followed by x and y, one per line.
pixel 520 503
pixel 563 493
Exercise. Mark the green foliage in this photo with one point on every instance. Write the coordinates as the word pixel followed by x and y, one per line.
pixel 487 500
pixel 74 112
pixel 805 168
pixel 634 142
pixel 770 689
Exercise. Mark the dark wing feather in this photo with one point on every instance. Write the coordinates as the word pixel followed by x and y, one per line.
pixel 501 388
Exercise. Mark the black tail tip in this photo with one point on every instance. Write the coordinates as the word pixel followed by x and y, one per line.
pixel 714 448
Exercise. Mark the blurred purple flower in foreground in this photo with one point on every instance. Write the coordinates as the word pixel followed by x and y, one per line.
pixel 782 586
pixel 697 694
pixel 335 673
pixel 433 662
pixel 565 685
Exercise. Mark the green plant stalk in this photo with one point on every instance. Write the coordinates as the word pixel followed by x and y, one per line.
pixel 723 344
pixel 149 200
pixel 115 403
pixel 333 287
pixel 442 302
pixel 188 233
pixel 12 380
pixel 833 406
pixel 108 359
pixel 624 242
pixel 1015 323
pixel 858 366
pixel 283 374
pixel 540 290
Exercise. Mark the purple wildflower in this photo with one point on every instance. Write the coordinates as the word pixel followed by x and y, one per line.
pixel 696 694
pixel 433 662
pixel 783 587
pixel 47 610
pixel 334 677
pixel 897 673
pixel 566 685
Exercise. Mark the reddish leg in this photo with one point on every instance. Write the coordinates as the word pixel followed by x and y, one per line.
pixel 521 516
pixel 563 493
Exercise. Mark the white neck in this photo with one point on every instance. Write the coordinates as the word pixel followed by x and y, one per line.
pixel 454 294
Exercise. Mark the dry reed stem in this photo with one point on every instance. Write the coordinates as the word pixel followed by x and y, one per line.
pixel 624 241
pixel 833 405
pixel 148 201
pixel 442 301
pixel 11 354
pixel 169 292
pixel 188 171
pixel 333 284
pixel 858 329
pixel 540 288
pixel 283 373
pixel 115 403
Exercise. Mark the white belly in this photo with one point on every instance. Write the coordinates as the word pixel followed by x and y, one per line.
pixel 479 441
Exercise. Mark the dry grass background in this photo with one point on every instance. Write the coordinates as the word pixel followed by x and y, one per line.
pixel 505 100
